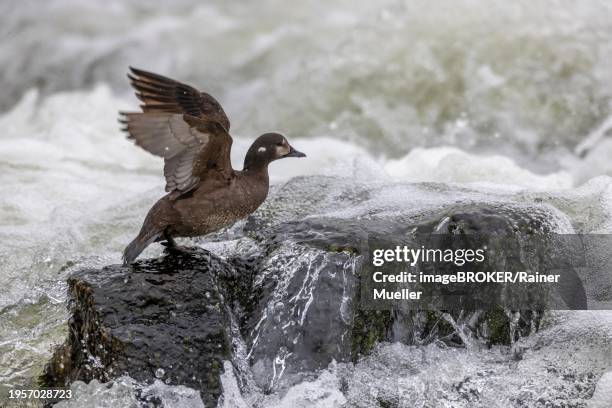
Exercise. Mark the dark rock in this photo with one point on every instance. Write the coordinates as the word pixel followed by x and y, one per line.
pixel 308 311
pixel 162 314
pixel 295 294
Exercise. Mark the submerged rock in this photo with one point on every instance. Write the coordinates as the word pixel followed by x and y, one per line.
pixel 286 300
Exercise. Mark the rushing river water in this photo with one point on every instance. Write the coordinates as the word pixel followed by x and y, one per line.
pixel 498 96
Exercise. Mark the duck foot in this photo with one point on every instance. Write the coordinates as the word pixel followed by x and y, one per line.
pixel 173 248
pixel 170 243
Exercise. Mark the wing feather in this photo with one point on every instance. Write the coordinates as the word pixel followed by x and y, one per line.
pixel 186 127
pixel 159 93
pixel 184 142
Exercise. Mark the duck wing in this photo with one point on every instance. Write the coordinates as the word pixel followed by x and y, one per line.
pixel 188 128
pixel 161 94
pixel 193 149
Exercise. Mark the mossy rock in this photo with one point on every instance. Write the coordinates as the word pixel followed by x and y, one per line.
pixel 166 313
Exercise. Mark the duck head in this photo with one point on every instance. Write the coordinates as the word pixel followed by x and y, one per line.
pixel 267 148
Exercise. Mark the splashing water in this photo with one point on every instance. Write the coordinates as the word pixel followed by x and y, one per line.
pixel 505 102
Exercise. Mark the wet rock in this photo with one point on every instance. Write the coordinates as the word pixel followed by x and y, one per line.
pixel 289 301
pixel 162 318
pixel 307 309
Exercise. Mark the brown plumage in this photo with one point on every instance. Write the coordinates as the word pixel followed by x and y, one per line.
pixel 189 129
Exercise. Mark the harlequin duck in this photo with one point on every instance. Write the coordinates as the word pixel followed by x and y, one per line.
pixel 189 129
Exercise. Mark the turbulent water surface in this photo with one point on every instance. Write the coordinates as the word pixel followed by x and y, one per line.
pixel 502 98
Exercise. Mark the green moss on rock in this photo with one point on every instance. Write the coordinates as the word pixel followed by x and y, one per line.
pixel 498 324
pixel 369 328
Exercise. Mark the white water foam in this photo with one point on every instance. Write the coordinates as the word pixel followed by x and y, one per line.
pixel 125 392
pixel 551 368
pixel 494 105
pixel 382 74
pixel 75 191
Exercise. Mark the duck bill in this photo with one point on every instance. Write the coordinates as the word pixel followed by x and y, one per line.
pixel 294 153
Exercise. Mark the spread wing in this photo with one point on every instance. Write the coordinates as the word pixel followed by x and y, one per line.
pixel 161 94
pixel 193 149
pixel 188 128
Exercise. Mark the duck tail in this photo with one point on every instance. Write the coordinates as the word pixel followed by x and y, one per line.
pixel 138 245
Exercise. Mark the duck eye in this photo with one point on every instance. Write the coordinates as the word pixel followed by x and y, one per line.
pixel 280 144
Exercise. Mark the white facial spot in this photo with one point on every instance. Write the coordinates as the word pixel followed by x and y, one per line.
pixel 282 150
pixel 261 149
